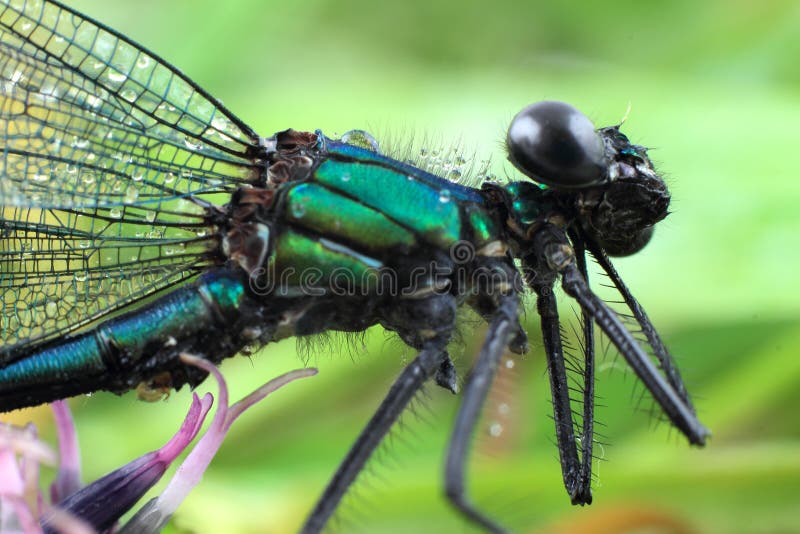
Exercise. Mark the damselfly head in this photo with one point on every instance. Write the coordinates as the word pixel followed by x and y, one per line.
pixel 609 183
pixel 621 213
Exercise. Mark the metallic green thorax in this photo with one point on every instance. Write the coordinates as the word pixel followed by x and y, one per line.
pixel 359 211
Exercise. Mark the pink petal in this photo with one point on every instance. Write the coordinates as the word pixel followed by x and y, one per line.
pixel 11 482
pixel 68 480
pixel 154 515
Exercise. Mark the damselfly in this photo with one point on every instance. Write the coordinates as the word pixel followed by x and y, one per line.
pixel 141 219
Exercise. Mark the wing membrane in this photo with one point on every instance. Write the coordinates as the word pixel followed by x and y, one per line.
pixel 82 105
pixel 109 156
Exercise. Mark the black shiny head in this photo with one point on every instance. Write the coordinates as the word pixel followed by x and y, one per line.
pixel 597 179
pixel 557 145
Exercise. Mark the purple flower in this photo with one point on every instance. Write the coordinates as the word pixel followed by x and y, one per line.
pixel 98 506
pixel 155 514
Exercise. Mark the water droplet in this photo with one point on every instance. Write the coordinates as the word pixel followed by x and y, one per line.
pixel 116 76
pixel 444 196
pixel 84 243
pixel 88 177
pixel 143 61
pixel 509 364
pixel 51 309
pixel 495 430
pixel 298 209
pixel 131 194
pixel 459 160
pixel 220 123
pixel 149 216
pixel 79 142
pixel 192 145
pixel 154 234
pixel 169 178
pixel 137 176
pixel 115 213
pixel 129 95
pixel 345 177
pixel 454 174
pixel 423 153
pixel 40 177
pixel 361 139
pixel 81 276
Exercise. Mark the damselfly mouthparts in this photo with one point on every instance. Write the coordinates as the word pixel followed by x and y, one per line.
pixel 122 179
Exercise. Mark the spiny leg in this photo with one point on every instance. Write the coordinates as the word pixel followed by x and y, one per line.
pixel 540 275
pixel 587 436
pixel 659 350
pixel 558 253
pixel 501 329
pixel 402 391
pixel 575 480
pixel 438 315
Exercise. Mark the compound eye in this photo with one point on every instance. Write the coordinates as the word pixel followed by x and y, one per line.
pixel 629 246
pixel 555 144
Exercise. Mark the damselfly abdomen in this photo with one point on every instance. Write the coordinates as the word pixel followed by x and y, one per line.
pixel 122 180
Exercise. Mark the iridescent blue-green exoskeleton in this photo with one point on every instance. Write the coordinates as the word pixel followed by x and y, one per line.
pixel 140 220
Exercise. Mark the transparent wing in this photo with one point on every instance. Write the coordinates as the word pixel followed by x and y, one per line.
pixel 109 157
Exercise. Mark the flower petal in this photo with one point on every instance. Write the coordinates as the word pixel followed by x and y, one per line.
pixel 104 501
pixel 155 514
pixel 11 483
pixel 22 514
pixel 68 480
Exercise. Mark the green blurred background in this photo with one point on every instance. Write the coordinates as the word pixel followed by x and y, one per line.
pixel 714 88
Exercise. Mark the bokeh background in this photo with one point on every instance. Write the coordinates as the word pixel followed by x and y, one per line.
pixel 714 89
